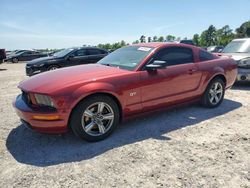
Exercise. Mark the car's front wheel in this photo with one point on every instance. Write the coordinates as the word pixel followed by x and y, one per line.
pixel 15 60
pixel 214 93
pixel 53 67
pixel 95 118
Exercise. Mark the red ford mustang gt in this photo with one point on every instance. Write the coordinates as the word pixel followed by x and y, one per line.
pixel 92 99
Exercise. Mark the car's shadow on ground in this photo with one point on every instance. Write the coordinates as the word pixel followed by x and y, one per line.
pixel 241 86
pixel 37 149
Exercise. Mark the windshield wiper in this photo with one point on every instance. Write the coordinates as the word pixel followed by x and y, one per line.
pixel 106 64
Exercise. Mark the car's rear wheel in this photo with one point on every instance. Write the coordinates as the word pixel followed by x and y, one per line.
pixel 214 93
pixel 95 118
pixel 15 60
pixel 53 67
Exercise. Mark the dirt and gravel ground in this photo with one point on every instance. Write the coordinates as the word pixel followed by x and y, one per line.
pixel 185 147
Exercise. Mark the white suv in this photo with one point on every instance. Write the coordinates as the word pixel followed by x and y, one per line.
pixel 239 50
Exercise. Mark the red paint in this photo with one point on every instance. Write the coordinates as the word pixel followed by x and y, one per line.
pixel 151 90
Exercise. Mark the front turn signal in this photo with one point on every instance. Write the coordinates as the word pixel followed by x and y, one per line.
pixel 46 117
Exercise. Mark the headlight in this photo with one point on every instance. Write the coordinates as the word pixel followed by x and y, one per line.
pixel 44 100
pixel 38 65
pixel 244 63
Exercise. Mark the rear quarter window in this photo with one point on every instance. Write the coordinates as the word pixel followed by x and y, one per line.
pixel 205 56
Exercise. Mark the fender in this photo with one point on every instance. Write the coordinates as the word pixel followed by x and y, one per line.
pixel 93 88
pixel 216 71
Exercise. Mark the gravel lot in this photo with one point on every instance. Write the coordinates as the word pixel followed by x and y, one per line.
pixel 186 147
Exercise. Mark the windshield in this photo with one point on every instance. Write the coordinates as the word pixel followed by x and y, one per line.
pixel 127 57
pixel 240 46
pixel 62 53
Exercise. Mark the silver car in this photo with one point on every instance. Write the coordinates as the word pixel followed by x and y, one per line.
pixel 239 50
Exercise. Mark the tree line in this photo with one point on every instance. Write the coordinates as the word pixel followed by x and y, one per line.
pixel 211 36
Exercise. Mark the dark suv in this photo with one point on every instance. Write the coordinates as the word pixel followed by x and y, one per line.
pixel 2 55
pixel 65 58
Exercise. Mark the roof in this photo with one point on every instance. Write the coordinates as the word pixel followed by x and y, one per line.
pixel 161 44
pixel 86 47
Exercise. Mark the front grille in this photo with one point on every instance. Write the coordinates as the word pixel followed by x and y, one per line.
pixel 26 97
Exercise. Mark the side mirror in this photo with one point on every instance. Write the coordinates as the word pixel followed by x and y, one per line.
pixel 156 65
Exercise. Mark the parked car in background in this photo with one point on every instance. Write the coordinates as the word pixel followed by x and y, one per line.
pixel 8 53
pixel 92 99
pixel 239 50
pixel 2 55
pixel 65 58
pixel 24 55
pixel 190 42
pixel 215 49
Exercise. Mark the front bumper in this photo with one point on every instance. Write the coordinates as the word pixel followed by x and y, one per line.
pixel 26 114
pixel 30 70
pixel 243 74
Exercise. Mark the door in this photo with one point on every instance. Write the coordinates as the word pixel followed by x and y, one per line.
pixel 178 81
pixel 26 56
pixel 77 57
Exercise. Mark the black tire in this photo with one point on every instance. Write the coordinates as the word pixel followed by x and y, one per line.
pixel 53 67
pixel 15 60
pixel 207 96
pixel 78 117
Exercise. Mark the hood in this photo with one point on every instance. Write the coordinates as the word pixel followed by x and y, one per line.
pixel 41 59
pixel 236 56
pixel 49 82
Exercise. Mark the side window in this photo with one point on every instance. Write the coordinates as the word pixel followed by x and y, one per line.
pixel 94 52
pixel 175 55
pixel 81 52
pixel 205 56
pixel 27 53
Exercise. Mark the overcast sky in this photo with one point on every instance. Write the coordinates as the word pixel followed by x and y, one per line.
pixel 63 23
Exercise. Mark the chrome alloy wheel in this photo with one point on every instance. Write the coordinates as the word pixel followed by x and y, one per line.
pixel 97 119
pixel 215 93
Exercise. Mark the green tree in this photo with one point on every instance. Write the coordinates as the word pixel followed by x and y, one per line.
pixel 155 39
pixel 142 39
pixel 136 42
pixel 243 30
pixel 149 39
pixel 123 43
pixel 170 38
pixel 208 37
pixel 161 39
pixel 203 39
pixel 224 35
pixel 211 35
pixel 196 38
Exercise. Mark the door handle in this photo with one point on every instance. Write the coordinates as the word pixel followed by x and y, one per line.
pixel 191 71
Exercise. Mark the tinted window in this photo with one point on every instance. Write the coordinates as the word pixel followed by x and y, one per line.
pixel 81 52
pixel 27 53
pixel 175 55
pixel 63 53
pixel 94 52
pixel 205 56
pixel 190 42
